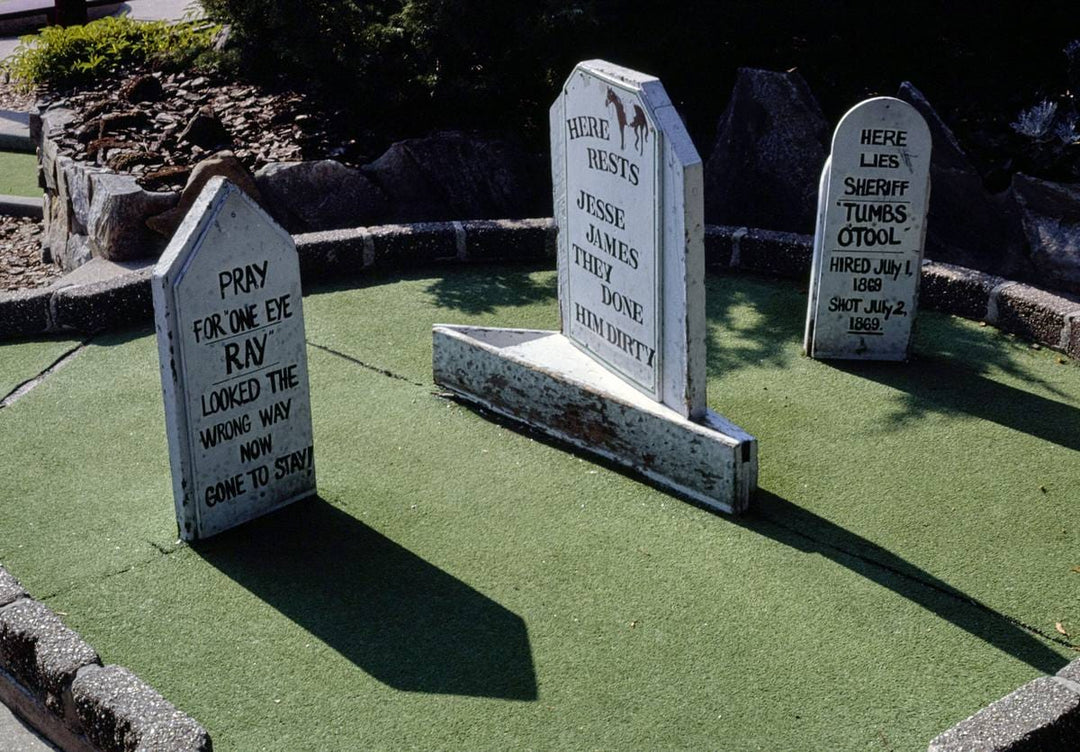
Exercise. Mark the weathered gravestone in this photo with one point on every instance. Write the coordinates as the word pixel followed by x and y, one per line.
pixel 868 244
pixel 230 331
pixel 625 377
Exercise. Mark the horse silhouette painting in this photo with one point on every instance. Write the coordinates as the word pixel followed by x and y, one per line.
pixel 641 129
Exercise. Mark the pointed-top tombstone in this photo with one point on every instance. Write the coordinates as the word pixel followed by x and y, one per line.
pixel 230 330
pixel 628 205
pixel 625 376
pixel 868 244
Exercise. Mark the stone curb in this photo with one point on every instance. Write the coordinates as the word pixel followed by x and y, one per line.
pixel 53 679
pixel 1047 318
pixel 21 206
pixel 1041 716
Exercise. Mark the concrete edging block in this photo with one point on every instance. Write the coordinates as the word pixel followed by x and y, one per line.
pixel 1041 716
pixel 110 304
pixel 1036 314
pixel 25 313
pixel 43 655
pixel 957 290
pixel 120 712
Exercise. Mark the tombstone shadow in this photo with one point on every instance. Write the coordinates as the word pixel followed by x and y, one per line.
pixel 404 621
pixel 784 522
pixel 485 290
pixel 951 376
pixel 774 324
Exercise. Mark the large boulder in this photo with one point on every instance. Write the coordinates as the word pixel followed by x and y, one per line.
pixel 966 225
pixel 322 195
pixel 771 144
pixel 224 165
pixel 454 175
pixel 1051 220
pixel 118 214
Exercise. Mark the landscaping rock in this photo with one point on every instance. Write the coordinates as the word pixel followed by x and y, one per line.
pixel 1051 221
pixel 121 713
pixel 225 165
pixel 118 214
pixel 966 225
pixel 76 180
pixel 206 130
pixel 771 143
pixel 321 195
pixel 454 175
pixel 144 88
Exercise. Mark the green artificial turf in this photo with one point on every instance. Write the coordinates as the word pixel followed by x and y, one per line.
pixel 462 585
pixel 21 361
pixel 18 174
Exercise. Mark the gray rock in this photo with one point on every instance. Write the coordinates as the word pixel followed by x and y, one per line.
pixel 42 653
pixel 10 589
pixel 225 165
pixel 56 229
pixel 771 143
pixel 77 252
pixel 457 176
pixel 1051 221
pixel 118 214
pixel 966 225
pixel 1041 716
pixel 75 177
pixel 120 713
pixel 322 195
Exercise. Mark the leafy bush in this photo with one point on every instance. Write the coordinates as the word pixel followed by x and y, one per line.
pixel 408 66
pixel 60 57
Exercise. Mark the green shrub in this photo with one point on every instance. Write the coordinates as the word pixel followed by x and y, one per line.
pixel 409 66
pixel 60 57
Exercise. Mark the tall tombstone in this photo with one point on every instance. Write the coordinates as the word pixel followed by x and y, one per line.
pixel 629 208
pixel 624 378
pixel 230 330
pixel 868 244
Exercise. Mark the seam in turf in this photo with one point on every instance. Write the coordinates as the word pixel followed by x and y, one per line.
pixel 362 364
pixel 25 387
pixel 944 590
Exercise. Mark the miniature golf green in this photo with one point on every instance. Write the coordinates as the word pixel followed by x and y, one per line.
pixel 459 584
pixel 18 175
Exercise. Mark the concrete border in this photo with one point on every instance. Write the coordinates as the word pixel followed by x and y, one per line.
pixel 1041 716
pixel 55 681
pixel 1046 318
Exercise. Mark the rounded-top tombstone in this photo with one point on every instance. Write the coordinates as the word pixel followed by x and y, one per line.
pixel 868 246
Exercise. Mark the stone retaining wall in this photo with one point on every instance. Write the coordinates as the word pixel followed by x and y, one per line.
pixel 53 679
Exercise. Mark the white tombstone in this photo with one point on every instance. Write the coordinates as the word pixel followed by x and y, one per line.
pixel 625 377
pixel 230 331
pixel 868 243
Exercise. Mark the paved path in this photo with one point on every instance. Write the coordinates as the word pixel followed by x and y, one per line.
pixel 143 10
pixel 16 736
